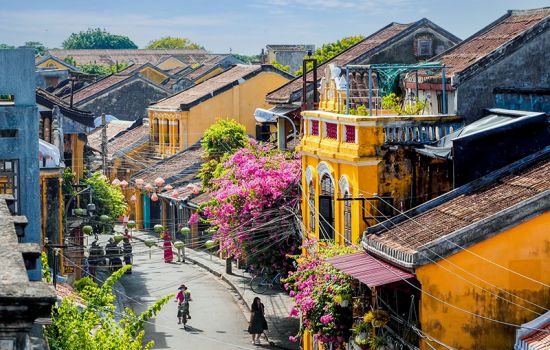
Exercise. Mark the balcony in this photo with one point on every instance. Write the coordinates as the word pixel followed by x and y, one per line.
pixel 356 117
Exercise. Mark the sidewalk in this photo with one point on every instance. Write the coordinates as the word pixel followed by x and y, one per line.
pixel 277 304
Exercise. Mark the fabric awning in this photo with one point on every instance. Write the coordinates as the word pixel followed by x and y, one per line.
pixel 367 269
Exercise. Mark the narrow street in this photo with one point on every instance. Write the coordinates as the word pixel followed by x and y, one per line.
pixel 217 320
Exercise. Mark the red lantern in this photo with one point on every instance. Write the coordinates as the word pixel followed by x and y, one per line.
pixel 176 193
pixel 148 187
pixel 154 197
pixel 168 187
pixel 133 198
pixel 123 183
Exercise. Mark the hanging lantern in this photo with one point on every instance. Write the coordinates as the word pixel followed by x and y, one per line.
pixel 116 182
pixel 148 187
pixel 154 197
pixel 139 183
pixel 159 181
pixel 175 193
pixel 193 188
pixel 133 198
pixel 168 187
pixel 123 183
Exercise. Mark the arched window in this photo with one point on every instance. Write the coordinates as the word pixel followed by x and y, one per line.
pixel 311 207
pixel 326 208
pixel 347 219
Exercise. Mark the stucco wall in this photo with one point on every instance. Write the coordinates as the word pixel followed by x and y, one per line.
pixel 403 51
pixel 523 249
pixel 17 77
pixel 238 103
pixel 526 68
pixel 127 102
pixel 289 58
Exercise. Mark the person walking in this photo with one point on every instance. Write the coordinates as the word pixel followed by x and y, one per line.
pixel 183 298
pixel 127 250
pixel 258 323
pixel 168 254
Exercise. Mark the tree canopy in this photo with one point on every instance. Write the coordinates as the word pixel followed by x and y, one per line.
pixel 39 48
pixel 98 39
pixel 169 42
pixel 6 46
pixel 329 50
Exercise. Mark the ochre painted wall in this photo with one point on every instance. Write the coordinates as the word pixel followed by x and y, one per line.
pixel 214 72
pixel 78 155
pixel 237 103
pixel 51 64
pixel 171 63
pixel 525 249
pixel 153 75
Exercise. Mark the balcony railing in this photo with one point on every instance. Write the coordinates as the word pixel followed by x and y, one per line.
pixel 418 132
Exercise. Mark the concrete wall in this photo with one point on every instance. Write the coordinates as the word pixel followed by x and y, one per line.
pixel 289 58
pixel 17 77
pixel 525 68
pixel 404 51
pixel 127 102
pixel 526 252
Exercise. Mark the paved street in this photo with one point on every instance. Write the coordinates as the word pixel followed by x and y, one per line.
pixel 217 320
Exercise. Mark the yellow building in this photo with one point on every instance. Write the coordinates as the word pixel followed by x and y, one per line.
pixel 179 121
pixel 352 164
pixel 480 255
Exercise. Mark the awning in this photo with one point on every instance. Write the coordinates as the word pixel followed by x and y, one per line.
pixel 367 269
pixel 48 155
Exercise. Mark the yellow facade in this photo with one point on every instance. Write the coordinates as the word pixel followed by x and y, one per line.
pixel 209 75
pixel 508 249
pixel 171 63
pixel 77 161
pixel 345 150
pixel 153 74
pixel 174 131
pixel 51 64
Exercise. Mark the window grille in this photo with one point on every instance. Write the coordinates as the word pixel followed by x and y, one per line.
pixel 424 48
pixel 350 133
pixel 331 130
pixel 347 220
pixel 315 127
pixel 9 180
pixel 311 207
pixel 326 208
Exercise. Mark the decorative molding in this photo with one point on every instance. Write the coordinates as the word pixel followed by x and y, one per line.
pixel 309 174
pixel 322 169
pixel 344 185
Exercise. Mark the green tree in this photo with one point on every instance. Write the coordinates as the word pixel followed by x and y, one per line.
pixel 109 199
pixel 39 48
pixel 219 141
pixel 97 39
pixel 94 326
pixel 169 42
pixel 6 46
pixel 280 66
pixel 102 69
pixel 329 50
pixel 70 60
pixel 247 59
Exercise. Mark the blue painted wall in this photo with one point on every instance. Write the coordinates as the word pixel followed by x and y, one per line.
pixel 17 77
pixel 146 212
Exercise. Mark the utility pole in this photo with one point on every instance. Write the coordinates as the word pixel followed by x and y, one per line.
pixel 104 143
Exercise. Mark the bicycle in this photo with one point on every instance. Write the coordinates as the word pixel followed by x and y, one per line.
pixel 261 282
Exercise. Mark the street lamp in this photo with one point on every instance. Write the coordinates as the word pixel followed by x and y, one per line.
pixel 265 116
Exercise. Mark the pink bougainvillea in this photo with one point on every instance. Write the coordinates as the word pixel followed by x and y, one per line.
pixel 253 206
pixel 319 289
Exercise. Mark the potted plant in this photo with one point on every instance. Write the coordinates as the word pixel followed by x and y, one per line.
pixel 180 246
pixel 150 242
pixel 362 331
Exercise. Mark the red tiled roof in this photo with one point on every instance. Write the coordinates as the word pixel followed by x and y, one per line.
pixel 208 87
pixel 49 100
pixel 181 167
pixel 462 211
pixel 113 128
pixel 284 93
pixel 538 340
pixel 137 56
pixel 129 140
pixel 491 38
pixel 98 86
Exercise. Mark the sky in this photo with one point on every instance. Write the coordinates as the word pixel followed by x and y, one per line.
pixel 242 26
